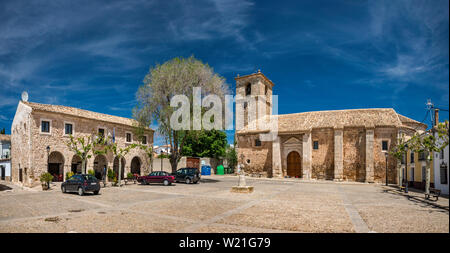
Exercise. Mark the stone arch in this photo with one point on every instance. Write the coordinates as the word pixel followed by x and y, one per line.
pixel 100 162
pixel 136 164
pixel 56 166
pixel 76 164
pixel 294 164
pixel 116 167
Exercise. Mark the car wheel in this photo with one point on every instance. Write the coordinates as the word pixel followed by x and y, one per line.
pixel 63 189
pixel 80 191
pixel 96 192
pixel 195 182
pixel 188 180
pixel 166 182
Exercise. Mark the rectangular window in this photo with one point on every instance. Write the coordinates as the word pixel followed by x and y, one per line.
pixel 412 157
pixel 424 173
pixel 316 145
pixel 384 145
pixel 128 137
pixel 101 132
pixel 422 156
pixel 144 139
pixel 444 175
pixel 403 159
pixel 441 154
pixel 45 126
pixel 68 128
pixel 257 143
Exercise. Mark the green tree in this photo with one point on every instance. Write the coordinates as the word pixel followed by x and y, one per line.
pixel 434 140
pixel 205 143
pixel 231 156
pixel 119 153
pixel 3 131
pixel 399 152
pixel 84 146
pixel 175 77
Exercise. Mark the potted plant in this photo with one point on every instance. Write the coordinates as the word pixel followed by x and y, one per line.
pixel 46 178
pixel 91 172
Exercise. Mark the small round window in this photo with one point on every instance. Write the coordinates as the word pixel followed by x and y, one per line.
pixel 248 161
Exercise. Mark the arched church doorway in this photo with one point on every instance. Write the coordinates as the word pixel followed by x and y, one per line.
pixel 294 164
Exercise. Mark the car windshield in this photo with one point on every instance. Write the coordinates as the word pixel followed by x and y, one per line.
pixel 89 178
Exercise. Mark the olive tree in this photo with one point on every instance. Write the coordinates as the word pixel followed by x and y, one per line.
pixel 178 76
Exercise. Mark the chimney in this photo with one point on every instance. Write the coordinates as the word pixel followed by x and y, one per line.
pixel 436 117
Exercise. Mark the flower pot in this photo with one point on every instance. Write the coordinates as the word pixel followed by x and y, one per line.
pixel 45 186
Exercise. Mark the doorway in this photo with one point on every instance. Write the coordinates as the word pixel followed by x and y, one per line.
pixel 294 164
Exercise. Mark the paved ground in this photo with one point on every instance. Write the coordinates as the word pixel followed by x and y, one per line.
pixel 275 206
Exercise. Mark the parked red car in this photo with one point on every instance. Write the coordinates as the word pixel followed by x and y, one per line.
pixel 157 177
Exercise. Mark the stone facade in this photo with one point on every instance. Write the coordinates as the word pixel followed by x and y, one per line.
pixel 29 156
pixel 332 145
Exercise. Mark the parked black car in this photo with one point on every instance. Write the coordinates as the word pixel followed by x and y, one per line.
pixel 81 183
pixel 187 175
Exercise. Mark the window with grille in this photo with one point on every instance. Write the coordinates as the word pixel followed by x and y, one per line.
pixel 412 157
pixel 128 137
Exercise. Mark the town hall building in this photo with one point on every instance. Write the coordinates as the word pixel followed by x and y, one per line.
pixel 339 145
pixel 40 133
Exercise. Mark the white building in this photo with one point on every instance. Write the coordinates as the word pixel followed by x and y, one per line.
pixel 5 157
pixel 440 164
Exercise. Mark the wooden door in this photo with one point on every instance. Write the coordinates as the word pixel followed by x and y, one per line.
pixel 294 164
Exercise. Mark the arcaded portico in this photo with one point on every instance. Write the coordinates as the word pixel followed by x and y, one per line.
pixel 40 133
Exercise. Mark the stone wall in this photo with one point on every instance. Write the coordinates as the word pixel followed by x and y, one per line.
pixel 354 146
pixel 384 134
pixel 255 160
pixel 56 140
pixel 323 158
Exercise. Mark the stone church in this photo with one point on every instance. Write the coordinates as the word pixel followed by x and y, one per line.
pixel 341 145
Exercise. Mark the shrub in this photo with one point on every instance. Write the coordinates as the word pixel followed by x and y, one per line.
pixel 130 175
pixel 69 174
pixel 46 177
pixel 110 174
pixel 91 172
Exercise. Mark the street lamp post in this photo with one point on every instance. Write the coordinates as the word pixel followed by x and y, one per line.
pixel 406 168
pixel 386 155
pixel 48 163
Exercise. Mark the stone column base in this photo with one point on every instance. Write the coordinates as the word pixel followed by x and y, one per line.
pixel 242 189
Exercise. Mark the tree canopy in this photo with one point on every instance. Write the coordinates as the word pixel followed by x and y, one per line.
pixel 203 143
pixel 178 76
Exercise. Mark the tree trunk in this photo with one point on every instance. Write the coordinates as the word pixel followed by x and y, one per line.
pixel 83 166
pixel 400 176
pixel 427 177
pixel 120 170
pixel 173 163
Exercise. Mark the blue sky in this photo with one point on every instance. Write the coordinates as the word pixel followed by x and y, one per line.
pixel 321 55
